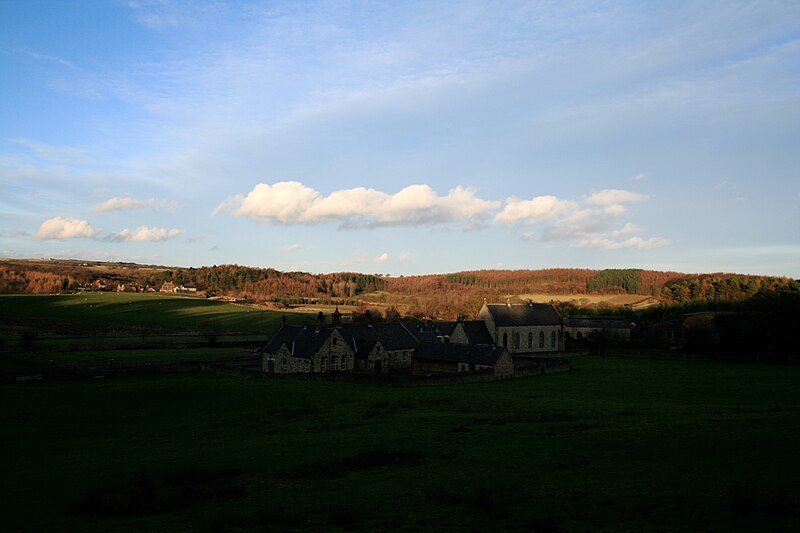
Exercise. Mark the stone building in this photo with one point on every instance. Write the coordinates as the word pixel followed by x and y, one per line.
pixel 445 358
pixel 524 329
pixel 610 328
pixel 339 347
pixel 471 332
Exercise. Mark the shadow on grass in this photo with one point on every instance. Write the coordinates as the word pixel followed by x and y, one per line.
pixel 365 460
pixel 148 494
pixel 490 500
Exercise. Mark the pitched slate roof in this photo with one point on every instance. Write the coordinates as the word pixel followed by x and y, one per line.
pixel 302 341
pixel 477 332
pixel 305 341
pixel 529 314
pixel 481 354
pixel 608 322
pixel 392 335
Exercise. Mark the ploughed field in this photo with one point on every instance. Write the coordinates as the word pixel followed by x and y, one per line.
pixel 615 445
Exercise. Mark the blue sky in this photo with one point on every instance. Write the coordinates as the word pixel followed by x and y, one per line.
pixel 403 137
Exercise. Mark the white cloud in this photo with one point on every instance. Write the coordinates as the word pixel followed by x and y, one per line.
pixel 384 257
pixel 228 205
pixel 614 196
pixel 580 224
pixel 633 242
pixel 291 202
pixel 614 209
pixel 292 247
pixel 119 204
pixel 640 176
pixel 627 228
pixel 123 204
pixel 534 210
pixel 145 234
pixel 403 256
pixel 65 228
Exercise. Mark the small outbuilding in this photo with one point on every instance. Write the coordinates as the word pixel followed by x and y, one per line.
pixel 446 358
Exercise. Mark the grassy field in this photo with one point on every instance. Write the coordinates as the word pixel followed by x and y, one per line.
pixel 35 323
pixel 614 445
pixel 154 310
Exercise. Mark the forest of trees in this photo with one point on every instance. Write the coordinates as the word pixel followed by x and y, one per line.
pixel 435 295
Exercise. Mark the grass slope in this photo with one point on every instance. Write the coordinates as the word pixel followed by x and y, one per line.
pixel 615 445
pixel 144 310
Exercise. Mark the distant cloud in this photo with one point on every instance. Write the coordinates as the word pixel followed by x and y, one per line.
pixel 291 202
pixel 14 233
pixel 640 176
pixel 145 234
pixel 50 58
pixel 595 224
pixel 384 257
pixel 534 210
pixel 65 228
pixel 633 242
pixel 403 256
pixel 614 197
pixel 126 203
pixel 59 154
pixel 292 247
pixel 627 228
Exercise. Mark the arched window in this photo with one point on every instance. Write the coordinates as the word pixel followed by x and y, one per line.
pixel 505 340
pixel 530 339
pixel 579 335
pixel 516 341
pixel 541 339
pixel 553 339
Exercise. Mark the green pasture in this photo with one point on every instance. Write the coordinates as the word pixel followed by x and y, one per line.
pixel 614 445
pixel 36 324
pixel 45 362
pixel 149 310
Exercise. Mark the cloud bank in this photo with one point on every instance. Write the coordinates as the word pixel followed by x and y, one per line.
pixel 595 224
pixel 291 202
pixel 145 234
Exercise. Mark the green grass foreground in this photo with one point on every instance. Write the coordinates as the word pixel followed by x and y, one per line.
pixel 614 445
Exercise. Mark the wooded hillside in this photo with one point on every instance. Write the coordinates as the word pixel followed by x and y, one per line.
pixel 428 295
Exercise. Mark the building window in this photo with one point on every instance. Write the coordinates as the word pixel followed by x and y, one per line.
pixel 324 364
pixel 516 341
pixel 553 339
pixel 505 340
pixel 333 363
pixel 579 335
pixel 541 339
pixel 394 359
pixel 343 363
pixel 530 339
pixel 333 341
pixel 283 362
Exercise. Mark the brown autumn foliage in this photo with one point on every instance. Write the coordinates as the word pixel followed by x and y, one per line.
pixel 434 295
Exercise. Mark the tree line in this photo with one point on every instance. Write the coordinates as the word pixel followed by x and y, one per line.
pixel 434 295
